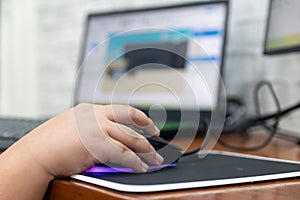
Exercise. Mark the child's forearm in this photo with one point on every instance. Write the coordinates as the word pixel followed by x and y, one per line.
pixel 21 177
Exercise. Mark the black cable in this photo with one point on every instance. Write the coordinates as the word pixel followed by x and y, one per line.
pixel 283 112
pixel 277 116
pixel 244 126
pixel 257 90
pixel 252 121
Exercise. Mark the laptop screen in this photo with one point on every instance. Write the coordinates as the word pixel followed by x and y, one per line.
pixel 160 56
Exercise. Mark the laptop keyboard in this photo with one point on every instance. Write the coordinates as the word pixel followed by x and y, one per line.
pixel 12 129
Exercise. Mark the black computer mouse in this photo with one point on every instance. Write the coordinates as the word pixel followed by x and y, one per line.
pixel 170 152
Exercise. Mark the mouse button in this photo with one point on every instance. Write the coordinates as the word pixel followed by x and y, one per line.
pixel 157 144
pixel 170 154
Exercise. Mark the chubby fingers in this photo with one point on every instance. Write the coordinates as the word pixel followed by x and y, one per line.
pixel 122 155
pixel 129 115
pixel 135 142
pixel 104 132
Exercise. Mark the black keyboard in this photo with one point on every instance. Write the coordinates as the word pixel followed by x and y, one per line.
pixel 12 129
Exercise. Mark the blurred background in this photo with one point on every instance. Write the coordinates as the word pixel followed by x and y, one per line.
pixel 40 51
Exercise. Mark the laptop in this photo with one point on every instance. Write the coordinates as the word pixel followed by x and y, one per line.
pixel 166 61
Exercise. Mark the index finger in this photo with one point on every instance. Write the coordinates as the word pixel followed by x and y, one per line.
pixel 129 115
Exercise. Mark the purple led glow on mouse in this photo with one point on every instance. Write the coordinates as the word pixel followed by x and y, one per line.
pixel 102 169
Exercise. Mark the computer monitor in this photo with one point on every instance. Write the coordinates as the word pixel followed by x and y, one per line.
pixel 168 56
pixel 283 28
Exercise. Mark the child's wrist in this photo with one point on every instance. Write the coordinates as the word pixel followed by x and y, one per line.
pixel 34 160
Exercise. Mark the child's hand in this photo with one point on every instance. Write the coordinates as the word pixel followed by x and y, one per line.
pixel 88 134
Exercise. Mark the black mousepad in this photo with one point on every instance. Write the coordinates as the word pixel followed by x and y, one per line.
pixel 213 167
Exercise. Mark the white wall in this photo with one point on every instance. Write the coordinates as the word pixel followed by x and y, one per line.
pixel 50 50
pixel 18 58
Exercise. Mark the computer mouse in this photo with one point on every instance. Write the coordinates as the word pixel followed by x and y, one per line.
pixel 170 152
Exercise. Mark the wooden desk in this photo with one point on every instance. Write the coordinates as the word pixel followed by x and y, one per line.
pixel 282 189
